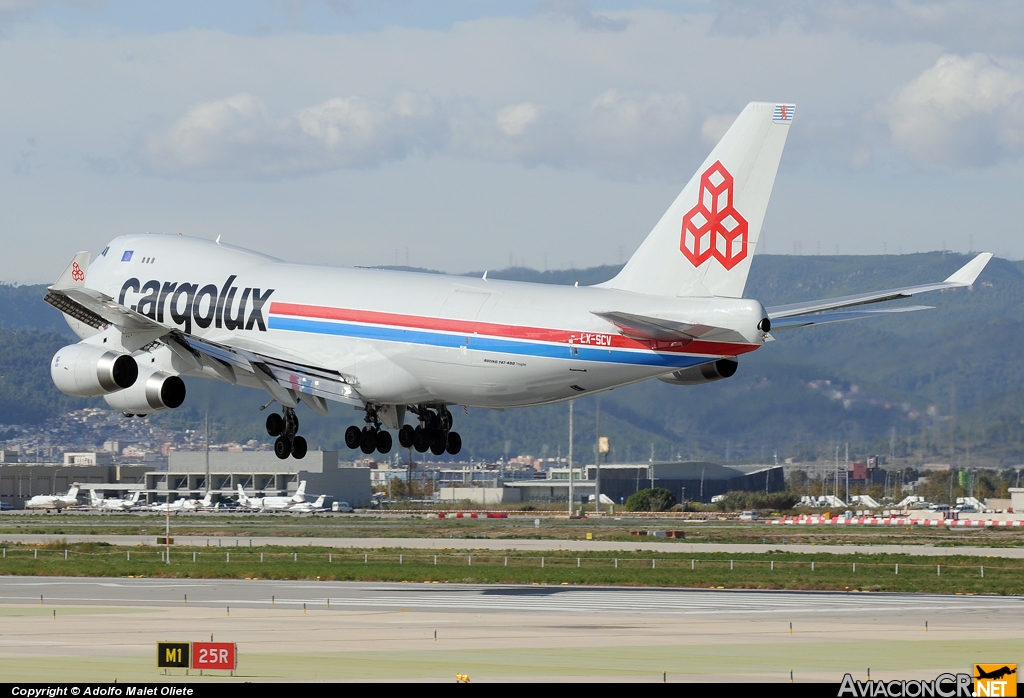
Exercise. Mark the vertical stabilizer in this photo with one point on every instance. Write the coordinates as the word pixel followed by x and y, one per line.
pixel 704 243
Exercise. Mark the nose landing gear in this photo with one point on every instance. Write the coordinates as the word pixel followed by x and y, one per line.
pixel 285 427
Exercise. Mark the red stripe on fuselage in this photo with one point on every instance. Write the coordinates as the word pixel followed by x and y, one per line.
pixel 538 334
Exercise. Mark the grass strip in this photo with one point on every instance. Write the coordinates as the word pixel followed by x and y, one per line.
pixel 775 570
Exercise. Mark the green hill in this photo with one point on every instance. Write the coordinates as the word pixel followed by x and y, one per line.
pixel 928 383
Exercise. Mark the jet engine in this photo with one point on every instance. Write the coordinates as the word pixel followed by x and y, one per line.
pixel 705 373
pixel 153 392
pixel 84 370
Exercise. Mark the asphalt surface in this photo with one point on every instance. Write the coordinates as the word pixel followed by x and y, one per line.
pixel 521 544
pixel 483 598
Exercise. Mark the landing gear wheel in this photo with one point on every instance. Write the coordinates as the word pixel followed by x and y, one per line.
pixel 438 443
pixel 368 441
pixel 299 448
pixel 421 440
pixel 353 437
pixel 383 441
pixel 406 436
pixel 282 447
pixel 275 424
pixel 454 442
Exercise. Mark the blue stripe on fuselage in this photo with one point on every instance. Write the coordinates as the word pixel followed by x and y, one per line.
pixel 488 344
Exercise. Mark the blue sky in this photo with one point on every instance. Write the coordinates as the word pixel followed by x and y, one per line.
pixel 458 135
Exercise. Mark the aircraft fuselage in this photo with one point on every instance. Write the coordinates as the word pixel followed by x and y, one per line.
pixel 407 338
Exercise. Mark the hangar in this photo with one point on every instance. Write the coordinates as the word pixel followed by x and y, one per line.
pixel 693 481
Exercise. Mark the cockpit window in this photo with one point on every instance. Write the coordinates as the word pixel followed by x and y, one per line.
pixel 104 252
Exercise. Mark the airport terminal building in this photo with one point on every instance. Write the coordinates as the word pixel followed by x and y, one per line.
pixel 260 474
pixel 693 481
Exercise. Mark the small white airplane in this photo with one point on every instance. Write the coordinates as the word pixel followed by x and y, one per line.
pixel 55 501
pixel 284 503
pixel 115 504
pixel 272 503
pixel 183 505
pixel 310 507
pixel 247 502
pixel 151 308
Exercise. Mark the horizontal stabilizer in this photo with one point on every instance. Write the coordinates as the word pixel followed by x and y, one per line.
pixel 838 316
pixel 965 276
pixel 73 275
pixel 663 330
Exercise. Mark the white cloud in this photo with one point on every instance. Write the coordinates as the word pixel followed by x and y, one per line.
pixel 514 119
pixel 961 111
pixel 238 138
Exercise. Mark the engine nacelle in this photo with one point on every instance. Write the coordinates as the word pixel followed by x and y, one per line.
pixel 705 373
pixel 84 370
pixel 153 392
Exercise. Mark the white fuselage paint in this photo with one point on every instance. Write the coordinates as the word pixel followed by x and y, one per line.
pixel 407 338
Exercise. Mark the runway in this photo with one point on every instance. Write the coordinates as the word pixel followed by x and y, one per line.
pixel 521 544
pixel 373 631
pixel 483 598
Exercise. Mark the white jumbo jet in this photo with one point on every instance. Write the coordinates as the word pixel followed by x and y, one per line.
pixel 54 501
pixel 151 308
pixel 98 502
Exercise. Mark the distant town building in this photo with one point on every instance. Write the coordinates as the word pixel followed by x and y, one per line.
pixel 88 458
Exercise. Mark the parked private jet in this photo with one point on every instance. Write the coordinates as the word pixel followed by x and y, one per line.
pixel 54 501
pixel 309 507
pixel 272 503
pixel 116 504
pixel 152 308
pixel 183 505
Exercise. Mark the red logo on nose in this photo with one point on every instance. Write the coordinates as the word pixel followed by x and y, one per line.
pixel 713 228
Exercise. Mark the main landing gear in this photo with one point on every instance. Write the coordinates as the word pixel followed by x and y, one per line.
pixel 371 437
pixel 434 433
pixel 285 427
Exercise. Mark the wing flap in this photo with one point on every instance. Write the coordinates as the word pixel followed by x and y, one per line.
pixel 279 375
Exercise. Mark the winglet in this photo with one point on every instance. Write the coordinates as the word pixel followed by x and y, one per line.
pixel 966 275
pixel 74 274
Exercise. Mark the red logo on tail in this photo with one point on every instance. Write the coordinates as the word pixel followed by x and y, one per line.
pixel 76 272
pixel 713 228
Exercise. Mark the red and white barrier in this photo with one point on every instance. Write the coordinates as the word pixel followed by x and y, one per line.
pixel 887 521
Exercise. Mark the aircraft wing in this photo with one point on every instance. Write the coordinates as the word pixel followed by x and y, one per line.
pixel 288 380
pixel 965 276
pixel 790 323
pixel 660 329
